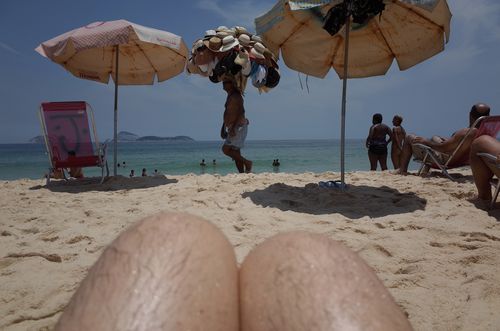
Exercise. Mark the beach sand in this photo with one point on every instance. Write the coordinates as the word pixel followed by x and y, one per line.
pixel 436 252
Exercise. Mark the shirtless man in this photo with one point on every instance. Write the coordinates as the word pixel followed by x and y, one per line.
pixel 444 145
pixel 376 143
pixel 235 126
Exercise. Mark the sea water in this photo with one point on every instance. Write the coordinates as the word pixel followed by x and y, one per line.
pixel 179 158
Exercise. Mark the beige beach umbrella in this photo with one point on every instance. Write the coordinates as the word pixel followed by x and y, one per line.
pixel 130 53
pixel 363 37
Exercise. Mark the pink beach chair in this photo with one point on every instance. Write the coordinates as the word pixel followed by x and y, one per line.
pixel 70 137
pixel 489 125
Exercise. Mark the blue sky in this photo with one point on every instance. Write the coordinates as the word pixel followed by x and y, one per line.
pixel 433 97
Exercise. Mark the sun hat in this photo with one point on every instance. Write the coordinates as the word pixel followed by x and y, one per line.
pixel 256 38
pixel 222 34
pixel 213 44
pixel 240 30
pixel 222 28
pixel 196 45
pixel 245 40
pixel 259 76
pixel 258 51
pixel 242 58
pixel 192 68
pixel 260 47
pixel 209 34
pixel 228 43
pixel 272 77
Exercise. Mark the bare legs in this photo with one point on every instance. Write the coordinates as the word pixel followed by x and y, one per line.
pixel 178 272
pixel 242 164
pixel 395 156
pixel 406 153
pixel 301 281
pixel 168 272
pixel 480 170
pixel 374 158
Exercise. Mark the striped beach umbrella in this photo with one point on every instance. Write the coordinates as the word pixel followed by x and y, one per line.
pixel 129 53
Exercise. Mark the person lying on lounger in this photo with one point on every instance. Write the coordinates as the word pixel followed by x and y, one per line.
pixel 178 272
pixel 443 145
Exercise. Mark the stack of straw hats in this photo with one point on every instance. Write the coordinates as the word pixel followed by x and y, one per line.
pixel 234 53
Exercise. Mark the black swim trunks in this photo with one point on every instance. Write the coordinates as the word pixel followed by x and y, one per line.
pixel 378 149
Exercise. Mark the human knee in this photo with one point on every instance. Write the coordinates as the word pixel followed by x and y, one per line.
pixel 296 247
pixel 313 280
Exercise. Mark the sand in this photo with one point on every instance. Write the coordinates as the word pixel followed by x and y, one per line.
pixel 436 252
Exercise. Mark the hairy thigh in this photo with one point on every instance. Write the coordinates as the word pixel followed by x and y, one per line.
pixel 302 281
pixel 167 272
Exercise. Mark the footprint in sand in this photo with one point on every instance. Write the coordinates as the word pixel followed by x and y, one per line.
pixel 465 247
pixel 382 250
pixel 238 228
pixel 30 230
pixel 76 239
pixel 478 236
pixel 408 227
pixel 48 257
pixel 411 269
pixel 50 239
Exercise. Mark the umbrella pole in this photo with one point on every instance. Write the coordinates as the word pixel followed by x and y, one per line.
pixel 115 133
pixel 344 92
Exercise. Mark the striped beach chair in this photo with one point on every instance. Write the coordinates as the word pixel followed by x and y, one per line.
pixel 70 137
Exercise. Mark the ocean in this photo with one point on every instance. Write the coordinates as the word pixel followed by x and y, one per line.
pixel 179 158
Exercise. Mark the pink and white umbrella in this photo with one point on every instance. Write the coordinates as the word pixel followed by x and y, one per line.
pixel 131 54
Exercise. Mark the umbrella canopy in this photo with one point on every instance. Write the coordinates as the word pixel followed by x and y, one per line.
pixel 130 53
pixel 357 38
pixel 410 31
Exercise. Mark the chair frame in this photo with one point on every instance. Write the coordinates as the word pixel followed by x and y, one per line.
pixel 430 160
pixel 99 149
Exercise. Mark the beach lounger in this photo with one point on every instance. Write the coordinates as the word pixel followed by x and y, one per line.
pixel 70 137
pixel 491 160
pixel 430 158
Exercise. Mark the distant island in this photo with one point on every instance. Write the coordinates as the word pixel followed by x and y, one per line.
pixel 37 140
pixel 125 136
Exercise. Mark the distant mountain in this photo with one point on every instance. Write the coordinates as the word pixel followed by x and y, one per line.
pixel 155 138
pixel 127 136
pixel 124 136
pixel 37 140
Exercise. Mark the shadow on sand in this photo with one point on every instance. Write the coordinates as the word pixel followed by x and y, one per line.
pixel 110 184
pixel 355 202
pixel 458 177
